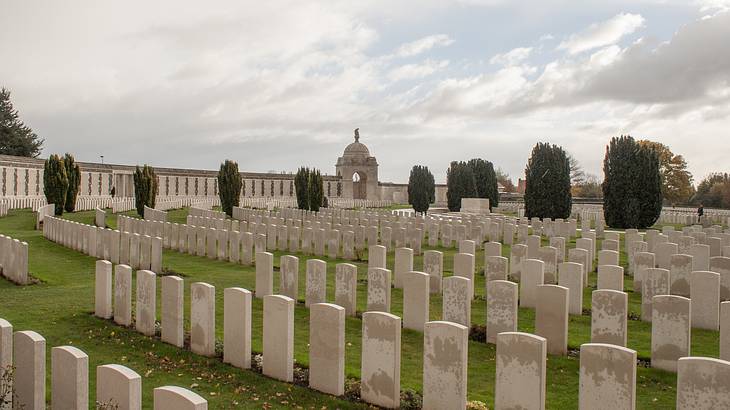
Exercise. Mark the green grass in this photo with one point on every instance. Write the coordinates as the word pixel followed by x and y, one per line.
pixel 59 308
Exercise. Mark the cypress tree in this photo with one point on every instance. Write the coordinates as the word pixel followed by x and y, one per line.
pixel 315 190
pixel 74 182
pixel 145 188
pixel 460 184
pixel 55 182
pixel 485 180
pixel 229 186
pixel 421 188
pixel 632 185
pixel 301 185
pixel 547 175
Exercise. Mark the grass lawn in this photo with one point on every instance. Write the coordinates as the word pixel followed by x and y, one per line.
pixel 59 308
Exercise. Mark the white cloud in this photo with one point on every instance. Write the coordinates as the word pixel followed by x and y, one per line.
pixel 603 34
pixel 424 44
pixel 417 71
pixel 512 57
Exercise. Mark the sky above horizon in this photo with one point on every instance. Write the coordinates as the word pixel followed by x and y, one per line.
pixel 279 84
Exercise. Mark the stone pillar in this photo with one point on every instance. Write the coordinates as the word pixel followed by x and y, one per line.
pixel 380 364
pixel 521 362
pixel 278 339
pixel 611 277
pixel 29 358
pixel 116 384
pixel 501 308
pixel 551 317
pixel 316 289
pixel 433 265
pixel 237 327
pixel 670 331
pixel 123 295
pixel 532 277
pixel 415 300
pixel 264 274
pixel 379 289
pixel 103 290
pixel 202 319
pixel 177 398
pixel 346 287
pixel 609 311
pixel 705 296
pixel 289 276
pixel 327 348
pixel 702 383
pixel 456 301
pixel 607 377
pixel 656 282
pixel 172 310
pixel 464 267
pixel 69 378
pixel 403 265
pixel 445 369
pixel 146 302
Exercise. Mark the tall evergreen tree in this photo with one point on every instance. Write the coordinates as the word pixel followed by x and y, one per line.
pixel 145 188
pixel 301 186
pixel 421 188
pixel 547 179
pixel 459 184
pixel 74 182
pixel 632 184
pixel 229 186
pixel 485 180
pixel 316 190
pixel 16 138
pixel 55 182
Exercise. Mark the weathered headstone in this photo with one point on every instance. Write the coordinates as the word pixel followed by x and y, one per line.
pixel 327 348
pixel 656 282
pixel 570 275
pixel 119 386
pixel 379 281
pixel 670 331
pixel 705 297
pixel 264 274
pixel 551 317
pixel 380 364
pixel 316 286
pixel 445 353
pixel 202 319
pixel 521 362
pixel 532 277
pixel 146 305
pixel 501 308
pixel 346 287
pixel 172 310
pixel 607 377
pixel 610 277
pixel 415 300
pixel 237 327
pixel 464 267
pixel 702 383
pixel 103 290
pixel 456 301
pixel 433 265
pixel 123 295
pixel 69 378
pixel 403 265
pixel 29 359
pixel 278 339
pixel 609 317
pixel 289 276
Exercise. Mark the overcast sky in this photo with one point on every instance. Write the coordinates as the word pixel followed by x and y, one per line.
pixel 275 84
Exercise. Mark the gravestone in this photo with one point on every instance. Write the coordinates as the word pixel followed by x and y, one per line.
pixel 551 317
pixel 172 310
pixel 381 359
pixel 656 282
pixel 202 319
pixel 445 355
pixel 532 277
pixel 346 287
pixel 702 383
pixel 278 337
pixel 237 327
pixel 570 275
pixel 610 277
pixel 327 348
pixel 264 274
pixel 415 300
pixel 705 297
pixel 316 286
pixel 379 281
pixel 670 331
pixel 501 308
pixel 607 377
pixel 456 301
pixel 433 265
pixel 609 311
pixel 521 362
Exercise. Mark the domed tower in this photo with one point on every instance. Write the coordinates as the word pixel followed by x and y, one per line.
pixel 358 170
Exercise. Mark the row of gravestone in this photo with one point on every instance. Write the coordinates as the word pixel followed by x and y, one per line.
pixel 141 252
pixel 23 354
pixel 607 371
pixel 14 260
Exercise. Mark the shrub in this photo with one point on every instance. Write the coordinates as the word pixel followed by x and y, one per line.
pixel 74 182
pixel 421 188
pixel 459 184
pixel 229 186
pixel 632 185
pixel 301 185
pixel 547 179
pixel 145 188
pixel 55 182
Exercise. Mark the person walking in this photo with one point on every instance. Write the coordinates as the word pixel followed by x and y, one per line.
pixel 700 213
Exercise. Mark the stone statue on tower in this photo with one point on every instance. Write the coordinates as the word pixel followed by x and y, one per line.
pixel 357 134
